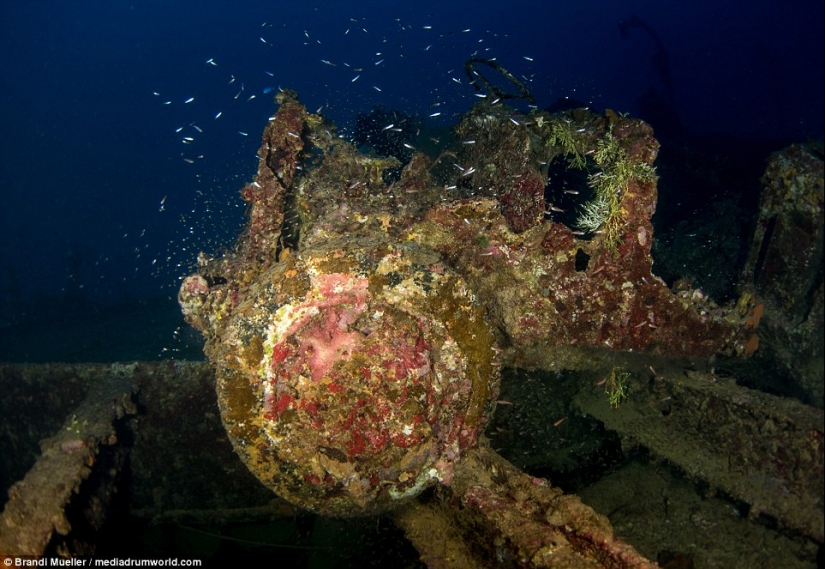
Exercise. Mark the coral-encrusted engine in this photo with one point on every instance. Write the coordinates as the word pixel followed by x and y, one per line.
pixel 350 377
pixel 352 326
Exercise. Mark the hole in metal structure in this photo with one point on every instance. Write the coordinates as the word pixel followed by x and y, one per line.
pixel 582 261
pixel 763 248
pixel 567 191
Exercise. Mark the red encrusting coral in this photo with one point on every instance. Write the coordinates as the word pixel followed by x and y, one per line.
pixel 523 203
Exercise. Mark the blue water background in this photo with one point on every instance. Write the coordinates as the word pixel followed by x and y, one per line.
pixel 104 201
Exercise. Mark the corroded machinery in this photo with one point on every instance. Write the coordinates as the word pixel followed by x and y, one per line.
pixel 358 326
pixel 357 331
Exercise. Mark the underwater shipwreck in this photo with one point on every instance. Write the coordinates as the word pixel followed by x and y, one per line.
pixel 384 335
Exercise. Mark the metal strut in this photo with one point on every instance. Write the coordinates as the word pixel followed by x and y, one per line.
pixel 475 76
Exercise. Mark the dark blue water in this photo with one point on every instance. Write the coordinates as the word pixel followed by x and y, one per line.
pixel 111 182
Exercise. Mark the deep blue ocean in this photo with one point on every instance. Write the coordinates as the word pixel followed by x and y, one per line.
pixel 128 127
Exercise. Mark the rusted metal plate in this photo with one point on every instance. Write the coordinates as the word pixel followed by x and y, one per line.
pixel 764 450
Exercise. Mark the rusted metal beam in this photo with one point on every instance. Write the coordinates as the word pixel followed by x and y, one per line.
pixel 36 510
pixel 764 450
